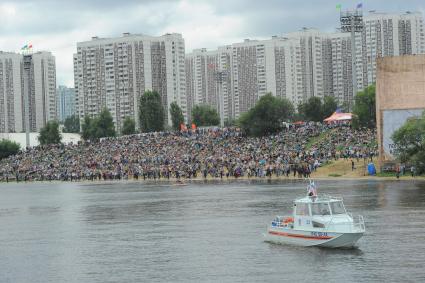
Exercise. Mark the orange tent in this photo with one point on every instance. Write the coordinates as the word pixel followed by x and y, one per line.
pixel 335 117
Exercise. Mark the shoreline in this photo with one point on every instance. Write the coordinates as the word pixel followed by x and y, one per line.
pixel 219 180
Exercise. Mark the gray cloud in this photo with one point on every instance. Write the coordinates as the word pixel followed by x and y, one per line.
pixel 57 25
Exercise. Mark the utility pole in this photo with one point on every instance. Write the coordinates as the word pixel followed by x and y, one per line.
pixel 220 77
pixel 27 95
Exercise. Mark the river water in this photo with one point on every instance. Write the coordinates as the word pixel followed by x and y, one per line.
pixel 202 232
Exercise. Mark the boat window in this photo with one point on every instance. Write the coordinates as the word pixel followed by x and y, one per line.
pixel 302 209
pixel 318 224
pixel 320 209
pixel 337 207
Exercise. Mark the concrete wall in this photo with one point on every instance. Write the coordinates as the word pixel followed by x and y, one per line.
pixel 20 138
pixel 400 90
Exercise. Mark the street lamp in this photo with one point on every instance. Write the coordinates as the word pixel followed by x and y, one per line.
pixel 352 21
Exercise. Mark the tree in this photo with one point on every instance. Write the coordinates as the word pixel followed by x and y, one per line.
pixel 129 126
pixel 205 115
pixel 409 142
pixel 7 148
pixel 176 115
pixel 329 106
pixel 151 112
pixel 365 108
pixel 103 125
pixel 312 109
pixel 87 128
pixel 72 124
pixel 266 116
pixel 49 134
pixel 99 127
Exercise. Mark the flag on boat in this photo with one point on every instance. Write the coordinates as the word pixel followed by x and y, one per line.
pixel 360 5
pixel 338 6
pixel 312 189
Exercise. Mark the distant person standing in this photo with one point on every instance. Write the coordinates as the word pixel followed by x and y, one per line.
pixel 352 165
pixel 412 171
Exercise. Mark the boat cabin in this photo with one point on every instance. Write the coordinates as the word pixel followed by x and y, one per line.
pixel 315 212
pixel 319 213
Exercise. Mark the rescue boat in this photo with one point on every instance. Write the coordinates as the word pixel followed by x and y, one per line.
pixel 317 220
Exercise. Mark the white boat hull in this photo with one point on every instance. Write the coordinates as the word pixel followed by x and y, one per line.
pixel 312 238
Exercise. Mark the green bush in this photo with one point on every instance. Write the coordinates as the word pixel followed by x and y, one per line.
pixel 267 116
pixel 7 148
pixel 205 115
pixel 49 134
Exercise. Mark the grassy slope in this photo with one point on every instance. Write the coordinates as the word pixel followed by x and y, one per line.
pixel 339 168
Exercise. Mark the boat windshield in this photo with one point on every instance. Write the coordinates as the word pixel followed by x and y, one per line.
pixel 320 209
pixel 337 207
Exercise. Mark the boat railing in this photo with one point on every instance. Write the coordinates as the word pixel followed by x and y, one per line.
pixel 321 197
pixel 358 224
pixel 329 197
pixel 359 220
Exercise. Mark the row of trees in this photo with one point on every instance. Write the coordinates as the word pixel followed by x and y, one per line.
pixel 268 114
pixel 151 119
pixel 264 118
pixel 152 114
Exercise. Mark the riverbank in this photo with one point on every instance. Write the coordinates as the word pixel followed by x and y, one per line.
pixel 321 174
pixel 342 169
pixel 216 152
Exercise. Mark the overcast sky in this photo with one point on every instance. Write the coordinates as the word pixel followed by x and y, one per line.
pixel 57 25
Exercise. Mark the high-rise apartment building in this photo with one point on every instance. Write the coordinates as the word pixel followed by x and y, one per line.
pixel 233 78
pixel 27 78
pixel 303 64
pixel 315 62
pixel 115 72
pixel 265 66
pixel 65 102
pixel 11 104
pixel 326 65
pixel 387 35
pixel 208 80
pixel 341 67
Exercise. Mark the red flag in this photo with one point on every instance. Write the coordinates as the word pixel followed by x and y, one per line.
pixel 193 126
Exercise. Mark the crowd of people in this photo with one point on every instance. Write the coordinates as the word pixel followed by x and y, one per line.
pixel 215 152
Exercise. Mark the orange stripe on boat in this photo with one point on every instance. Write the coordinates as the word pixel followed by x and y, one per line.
pixel 300 236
